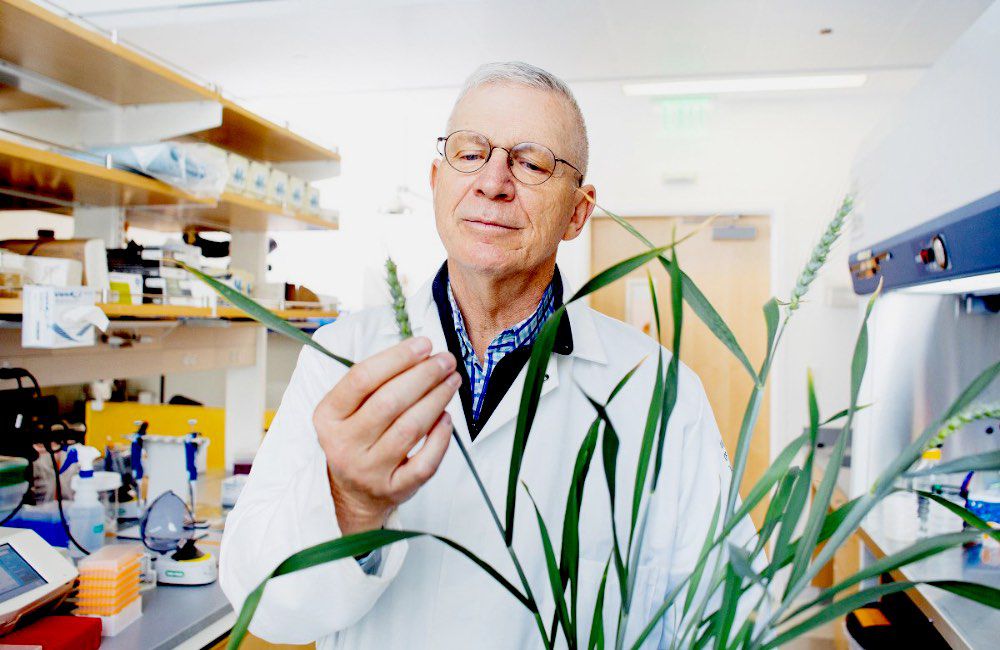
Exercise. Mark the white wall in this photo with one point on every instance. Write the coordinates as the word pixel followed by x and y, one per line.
pixel 786 155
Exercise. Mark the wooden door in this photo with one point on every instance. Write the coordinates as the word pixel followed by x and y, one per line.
pixel 733 270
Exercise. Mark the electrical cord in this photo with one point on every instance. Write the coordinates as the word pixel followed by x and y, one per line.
pixel 14 512
pixel 62 515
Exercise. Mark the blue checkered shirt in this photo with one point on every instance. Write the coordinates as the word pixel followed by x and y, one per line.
pixel 510 339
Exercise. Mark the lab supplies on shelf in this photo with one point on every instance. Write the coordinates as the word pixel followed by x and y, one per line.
pixel 198 169
pixel 277 186
pixel 60 317
pixel 239 172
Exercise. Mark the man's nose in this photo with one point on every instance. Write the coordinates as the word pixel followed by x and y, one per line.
pixel 494 181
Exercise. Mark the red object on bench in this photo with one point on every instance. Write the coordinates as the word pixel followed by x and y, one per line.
pixel 58 633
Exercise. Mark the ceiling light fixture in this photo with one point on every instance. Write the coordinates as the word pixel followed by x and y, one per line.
pixel 745 85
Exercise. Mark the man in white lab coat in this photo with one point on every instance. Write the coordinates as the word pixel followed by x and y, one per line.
pixel 508 188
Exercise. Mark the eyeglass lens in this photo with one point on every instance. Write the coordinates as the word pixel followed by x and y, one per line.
pixel 530 163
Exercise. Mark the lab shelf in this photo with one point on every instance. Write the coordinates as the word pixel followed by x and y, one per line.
pixel 36 174
pixel 12 306
pixel 12 99
pixel 232 211
pixel 46 174
pixel 49 45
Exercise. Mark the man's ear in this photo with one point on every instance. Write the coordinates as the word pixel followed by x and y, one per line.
pixel 586 198
pixel 434 171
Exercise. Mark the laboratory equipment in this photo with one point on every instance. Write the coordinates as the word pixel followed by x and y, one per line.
pixel 169 463
pixel 953 253
pixel 109 587
pixel 167 528
pixel 33 576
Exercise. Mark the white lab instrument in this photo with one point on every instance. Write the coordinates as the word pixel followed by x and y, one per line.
pixel 167 529
pixel 170 463
pixel 33 575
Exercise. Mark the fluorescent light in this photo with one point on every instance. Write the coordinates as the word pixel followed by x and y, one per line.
pixel 745 85
pixel 985 284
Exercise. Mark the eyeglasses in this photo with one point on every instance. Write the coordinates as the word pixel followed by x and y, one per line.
pixel 529 162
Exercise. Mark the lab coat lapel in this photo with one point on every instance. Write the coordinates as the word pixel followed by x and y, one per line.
pixel 509 405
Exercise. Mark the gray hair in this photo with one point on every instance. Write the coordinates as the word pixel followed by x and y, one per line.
pixel 525 74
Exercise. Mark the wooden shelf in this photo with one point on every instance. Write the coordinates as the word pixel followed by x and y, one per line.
pixel 37 174
pixel 254 137
pixel 55 47
pixel 12 99
pixel 12 306
pixel 46 174
pixel 232 211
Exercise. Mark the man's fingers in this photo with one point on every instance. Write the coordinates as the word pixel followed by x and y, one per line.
pixel 420 467
pixel 415 422
pixel 400 393
pixel 365 377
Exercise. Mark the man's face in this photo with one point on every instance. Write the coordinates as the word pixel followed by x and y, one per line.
pixel 489 222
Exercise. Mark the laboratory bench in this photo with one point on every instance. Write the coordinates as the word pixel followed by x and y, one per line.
pixel 964 624
pixel 186 618
pixel 183 617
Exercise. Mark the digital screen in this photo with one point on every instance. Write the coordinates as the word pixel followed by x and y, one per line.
pixel 16 576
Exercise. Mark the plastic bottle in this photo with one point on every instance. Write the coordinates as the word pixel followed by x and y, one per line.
pixel 928 460
pixel 85 514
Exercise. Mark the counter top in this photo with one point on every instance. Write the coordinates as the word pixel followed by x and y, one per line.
pixel 964 624
pixel 176 617
pixel 182 617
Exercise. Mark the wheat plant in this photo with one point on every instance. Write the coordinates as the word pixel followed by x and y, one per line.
pixel 736 596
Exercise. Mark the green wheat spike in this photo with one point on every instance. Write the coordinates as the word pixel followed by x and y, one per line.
pixel 398 300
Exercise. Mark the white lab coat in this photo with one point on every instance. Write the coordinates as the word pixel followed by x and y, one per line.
pixel 427 595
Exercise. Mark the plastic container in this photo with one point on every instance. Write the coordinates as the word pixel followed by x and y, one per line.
pixel 10 496
pixel 984 496
pixel 44 520
pixel 13 470
pixel 109 586
pixel 928 460
pixel 110 561
pixel 232 487
pixel 86 523
pixel 114 624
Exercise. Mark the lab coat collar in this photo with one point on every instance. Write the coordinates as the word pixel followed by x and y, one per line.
pixel 587 344
pixel 425 321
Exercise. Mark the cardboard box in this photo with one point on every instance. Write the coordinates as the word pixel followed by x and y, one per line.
pixel 58 317
pixel 312 200
pixel 277 187
pixel 257 179
pixel 296 193
pixel 126 288
pixel 239 173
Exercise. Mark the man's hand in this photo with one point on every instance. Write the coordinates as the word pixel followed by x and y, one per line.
pixel 372 418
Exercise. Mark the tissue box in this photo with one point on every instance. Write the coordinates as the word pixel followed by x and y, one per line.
pixel 257 179
pixel 312 200
pixel 58 317
pixel 239 172
pixel 277 186
pixel 127 286
pixel 296 193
